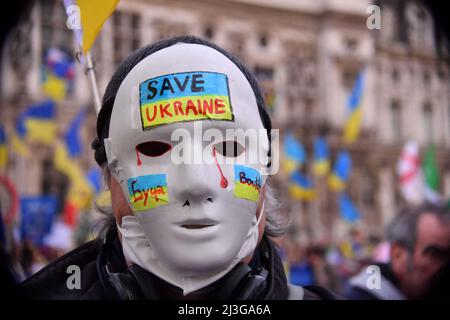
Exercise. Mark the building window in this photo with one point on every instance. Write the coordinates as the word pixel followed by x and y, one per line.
pixel 126 31
pixel 55 35
pixel 395 75
pixel 53 27
pixel 348 79
pixel 263 41
pixel 426 78
pixel 449 116
pixel 208 32
pixel 164 29
pixel 236 43
pixel 396 121
pixel 368 188
pixel 265 77
pixel 428 122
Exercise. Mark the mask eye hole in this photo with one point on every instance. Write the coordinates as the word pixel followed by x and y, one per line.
pixel 230 149
pixel 153 148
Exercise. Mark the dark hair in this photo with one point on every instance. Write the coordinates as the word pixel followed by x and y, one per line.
pixel 126 66
pixel 403 228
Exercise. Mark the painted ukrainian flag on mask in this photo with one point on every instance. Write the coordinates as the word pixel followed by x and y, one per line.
pixel 301 187
pixel 341 172
pixel 37 123
pixel 294 153
pixel 321 164
pixel 354 108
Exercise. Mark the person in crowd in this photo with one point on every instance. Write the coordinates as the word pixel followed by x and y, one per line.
pixel 179 229
pixel 419 240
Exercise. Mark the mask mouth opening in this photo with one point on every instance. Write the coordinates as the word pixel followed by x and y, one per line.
pixel 195 224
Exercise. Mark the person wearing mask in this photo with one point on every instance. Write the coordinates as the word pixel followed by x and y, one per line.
pixel 181 228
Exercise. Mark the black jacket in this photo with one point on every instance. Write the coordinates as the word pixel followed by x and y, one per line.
pixel 51 281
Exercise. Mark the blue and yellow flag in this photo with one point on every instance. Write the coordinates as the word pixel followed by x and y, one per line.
pixel 81 191
pixel 72 136
pixel 37 123
pixel 321 157
pixel 3 148
pixel 354 105
pixel 58 73
pixel 18 144
pixel 92 16
pixel 82 186
pixel 301 187
pixel 54 87
pixel 94 177
pixel 341 172
pixel 349 212
pixel 294 153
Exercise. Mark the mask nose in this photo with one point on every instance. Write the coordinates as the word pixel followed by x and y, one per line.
pixel 193 185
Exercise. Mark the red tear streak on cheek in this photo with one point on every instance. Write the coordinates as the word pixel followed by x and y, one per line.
pixel 139 162
pixel 223 180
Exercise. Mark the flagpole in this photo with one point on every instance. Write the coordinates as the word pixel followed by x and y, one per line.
pixel 90 73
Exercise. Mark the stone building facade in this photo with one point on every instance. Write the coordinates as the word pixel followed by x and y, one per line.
pixel 306 55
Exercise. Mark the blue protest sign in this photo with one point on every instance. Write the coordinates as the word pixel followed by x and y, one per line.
pixel 37 215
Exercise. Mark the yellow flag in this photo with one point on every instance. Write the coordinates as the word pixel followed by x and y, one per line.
pixel 18 145
pixel 352 128
pixel 54 87
pixel 42 131
pixel 93 16
pixel 3 156
pixel 80 192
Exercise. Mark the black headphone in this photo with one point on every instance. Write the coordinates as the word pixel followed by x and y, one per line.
pixel 241 283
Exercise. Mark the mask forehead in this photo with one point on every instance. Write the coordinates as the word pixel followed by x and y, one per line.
pixel 177 74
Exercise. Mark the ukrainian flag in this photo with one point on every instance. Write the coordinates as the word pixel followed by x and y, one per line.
pixel 294 153
pixel 81 190
pixel 94 177
pixel 341 172
pixel 301 187
pixel 354 103
pixel 72 136
pixel 349 212
pixel 18 145
pixel 3 148
pixel 37 123
pixel 19 136
pixel 57 72
pixel 93 16
pixel 321 157
pixel 54 87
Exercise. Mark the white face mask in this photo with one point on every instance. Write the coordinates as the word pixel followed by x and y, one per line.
pixel 192 223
